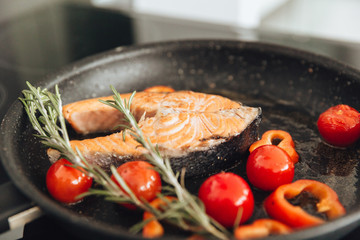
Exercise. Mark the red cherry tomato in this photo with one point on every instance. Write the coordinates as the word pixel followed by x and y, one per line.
pixel 268 167
pixel 141 178
pixel 65 183
pixel 224 196
pixel 340 125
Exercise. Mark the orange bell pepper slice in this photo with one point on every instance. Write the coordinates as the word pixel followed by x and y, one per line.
pixel 196 237
pixel 286 143
pixel 159 89
pixel 153 228
pixel 278 207
pixel 261 228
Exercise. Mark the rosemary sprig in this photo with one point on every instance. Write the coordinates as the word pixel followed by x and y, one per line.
pixel 191 208
pixel 49 106
pixel 187 212
pixel 44 110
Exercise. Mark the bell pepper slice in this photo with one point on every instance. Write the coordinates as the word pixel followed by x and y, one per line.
pixel 278 207
pixel 153 228
pixel 261 228
pixel 196 237
pixel 159 89
pixel 286 143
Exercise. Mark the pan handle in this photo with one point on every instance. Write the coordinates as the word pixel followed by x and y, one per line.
pixel 15 209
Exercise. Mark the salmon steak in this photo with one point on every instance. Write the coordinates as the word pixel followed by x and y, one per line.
pixel 203 133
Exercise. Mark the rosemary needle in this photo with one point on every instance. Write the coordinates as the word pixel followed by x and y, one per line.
pixel 187 212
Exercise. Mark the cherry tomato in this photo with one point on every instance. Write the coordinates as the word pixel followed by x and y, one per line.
pixel 268 167
pixel 141 178
pixel 224 196
pixel 65 183
pixel 340 125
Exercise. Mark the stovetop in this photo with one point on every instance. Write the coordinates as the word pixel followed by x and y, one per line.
pixel 45 39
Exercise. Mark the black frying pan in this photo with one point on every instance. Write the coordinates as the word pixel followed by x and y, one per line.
pixel 291 86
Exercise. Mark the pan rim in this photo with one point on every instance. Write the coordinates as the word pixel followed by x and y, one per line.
pixel 91 62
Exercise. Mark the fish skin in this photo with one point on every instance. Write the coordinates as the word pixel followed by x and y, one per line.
pixel 199 131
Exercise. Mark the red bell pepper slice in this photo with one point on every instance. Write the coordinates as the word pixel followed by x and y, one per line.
pixel 286 143
pixel 261 228
pixel 278 207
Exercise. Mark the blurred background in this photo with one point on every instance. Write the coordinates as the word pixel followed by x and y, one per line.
pixel 38 37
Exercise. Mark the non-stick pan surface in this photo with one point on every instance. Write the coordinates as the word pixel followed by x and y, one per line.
pixel 291 86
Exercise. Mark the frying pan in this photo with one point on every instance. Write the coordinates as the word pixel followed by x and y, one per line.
pixel 292 87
